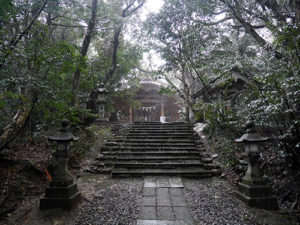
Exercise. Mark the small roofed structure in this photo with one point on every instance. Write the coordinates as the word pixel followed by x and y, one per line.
pixel 147 105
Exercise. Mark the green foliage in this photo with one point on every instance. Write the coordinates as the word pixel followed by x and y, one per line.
pixel 218 116
pixel 213 51
pixel 226 149
pixel 87 139
pixel 40 68
pixel 104 132
pixel 6 10
pixel 166 91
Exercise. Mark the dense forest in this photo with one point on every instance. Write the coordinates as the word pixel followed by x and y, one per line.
pixel 227 60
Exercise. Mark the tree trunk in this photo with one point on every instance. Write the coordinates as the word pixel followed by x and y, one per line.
pixel 127 11
pixel 116 43
pixel 186 94
pixel 295 6
pixel 13 129
pixel 84 49
pixel 250 30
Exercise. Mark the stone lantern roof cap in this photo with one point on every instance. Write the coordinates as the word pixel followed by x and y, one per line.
pixel 102 89
pixel 63 134
pixel 251 135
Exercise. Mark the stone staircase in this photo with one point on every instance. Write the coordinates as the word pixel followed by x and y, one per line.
pixel 153 148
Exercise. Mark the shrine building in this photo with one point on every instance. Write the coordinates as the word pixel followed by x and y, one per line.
pixel 147 105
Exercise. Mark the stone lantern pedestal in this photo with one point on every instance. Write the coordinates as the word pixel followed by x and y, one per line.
pixel 254 190
pixel 62 191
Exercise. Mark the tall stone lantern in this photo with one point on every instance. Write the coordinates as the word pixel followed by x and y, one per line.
pixel 62 191
pixel 101 101
pixel 254 190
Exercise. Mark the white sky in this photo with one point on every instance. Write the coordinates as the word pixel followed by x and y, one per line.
pixel 151 6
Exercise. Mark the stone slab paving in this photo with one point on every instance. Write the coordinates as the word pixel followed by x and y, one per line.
pixel 163 202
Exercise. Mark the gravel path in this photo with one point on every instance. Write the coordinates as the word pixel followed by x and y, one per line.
pixel 109 201
pixel 211 202
pixel 116 204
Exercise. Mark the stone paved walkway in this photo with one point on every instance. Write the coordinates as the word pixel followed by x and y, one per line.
pixel 163 203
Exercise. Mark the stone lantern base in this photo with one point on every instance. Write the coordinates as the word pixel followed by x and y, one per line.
pixel 257 196
pixel 60 196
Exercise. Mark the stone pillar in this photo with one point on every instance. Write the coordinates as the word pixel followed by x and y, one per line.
pixel 162 109
pixel 254 190
pixel 130 114
pixel 162 112
pixel 62 191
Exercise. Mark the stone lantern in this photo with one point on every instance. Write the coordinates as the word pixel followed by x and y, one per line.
pixel 254 189
pixel 101 101
pixel 62 191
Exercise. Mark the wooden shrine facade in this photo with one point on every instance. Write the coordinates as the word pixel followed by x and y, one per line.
pixel 147 104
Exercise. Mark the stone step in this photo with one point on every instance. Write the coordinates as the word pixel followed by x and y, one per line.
pixel 183 172
pixel 162 135
pixel 155 144
pixel 162 165
pixel 154 138
pixel 154 153
pixel 157 122
pixel 148 140
pixel 161 124
pixel 161 128
pixel 144 122
pixel 152 158
pixel 173 126
pixel 112 163
pixel 159 132
pixel 153 148
pixel 169 140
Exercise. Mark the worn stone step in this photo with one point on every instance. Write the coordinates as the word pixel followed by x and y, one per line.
pixel 153 148
pixel 161 129
pixel 183 172
pixel 169 140
pixel 160 124
pixel 154 138
pixel 157 135
pixel 155 144
pixel 163 135
pixel 149 140
pixel 162 165
pixel 154 153
pixel 159 132
pixel 152 158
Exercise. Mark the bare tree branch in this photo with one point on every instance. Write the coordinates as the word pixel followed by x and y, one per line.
pixel 16 41
pixel 71 26
pixel 249 29
pixel 218 22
